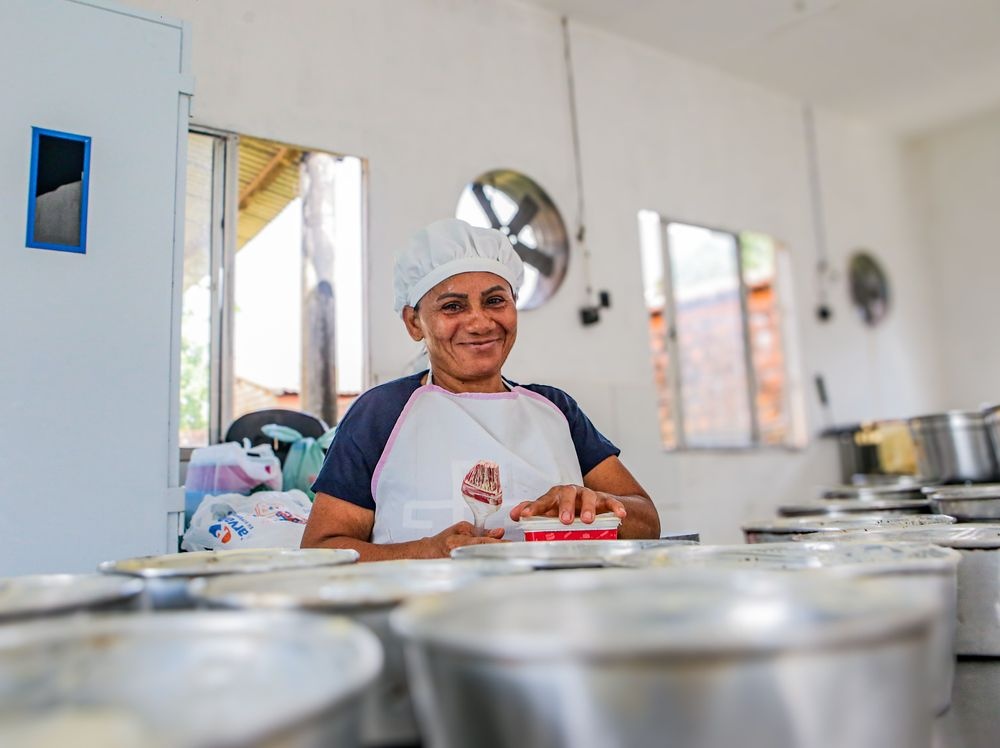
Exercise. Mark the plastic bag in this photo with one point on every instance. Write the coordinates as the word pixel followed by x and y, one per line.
pixel 267 519
pixel 305 457
pixel 229 468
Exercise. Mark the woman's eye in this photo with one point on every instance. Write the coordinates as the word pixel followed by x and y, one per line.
pixel 452 307
pixel 496 300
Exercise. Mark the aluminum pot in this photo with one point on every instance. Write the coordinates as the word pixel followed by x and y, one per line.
pixel 896 507
pixel 561 554
pixel 689 659
pixel 954 447
pixel 968 503
pixel 167 577
pixel 45 595
pixel 185 680
pixel 893 492
pixel 366 593
pixel 783 529
pixel 920 568
pixel 978 630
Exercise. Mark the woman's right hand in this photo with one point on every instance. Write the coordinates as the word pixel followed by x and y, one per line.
pixel 459 534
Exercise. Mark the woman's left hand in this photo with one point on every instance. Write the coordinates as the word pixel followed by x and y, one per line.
pixel 569 502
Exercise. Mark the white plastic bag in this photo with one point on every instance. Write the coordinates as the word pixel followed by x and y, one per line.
pixel 229 468
pixel 266 519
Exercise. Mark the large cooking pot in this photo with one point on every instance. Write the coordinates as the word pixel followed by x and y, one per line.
pixel 44 595
pixel 167 577
pixel 979 503
pixel 782 529
pixel 920 568
pixel 978 577
pixel 954 447
pixel 888 507
pixel 185 680
pixel 686 659
pixel 883 492
pixel 366 593
pixel 562 554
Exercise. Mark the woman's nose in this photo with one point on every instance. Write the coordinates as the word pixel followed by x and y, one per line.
pixel 479 319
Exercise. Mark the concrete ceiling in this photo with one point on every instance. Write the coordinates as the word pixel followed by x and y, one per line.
pixel 909 65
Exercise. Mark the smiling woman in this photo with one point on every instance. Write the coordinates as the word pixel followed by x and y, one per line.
pixel 402 465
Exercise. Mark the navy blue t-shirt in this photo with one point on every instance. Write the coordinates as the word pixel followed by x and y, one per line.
pixel 364 431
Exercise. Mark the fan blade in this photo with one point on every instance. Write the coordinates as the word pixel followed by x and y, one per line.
pixel 484 203
pixel 526 210
pixel 538 260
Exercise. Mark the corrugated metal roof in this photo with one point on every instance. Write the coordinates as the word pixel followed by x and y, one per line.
pixel 269 180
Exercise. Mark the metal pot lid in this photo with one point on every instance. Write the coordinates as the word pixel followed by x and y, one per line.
pixel 44 594
pixel 971 536
pixel 848 506
pixel 558 554
pixel 338 588
pixel 855 558
pixel 237 561
pixel 798 525
pixel 949 419
pixel 177 674
pixel 873 493
pixel 650 612
pixel 966 492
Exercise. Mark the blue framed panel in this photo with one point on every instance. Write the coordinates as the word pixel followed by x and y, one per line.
pixel 58 191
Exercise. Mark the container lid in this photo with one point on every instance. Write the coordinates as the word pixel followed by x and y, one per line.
pixel 971 536
pixel 237 561
pixel 836 523
pixel 873 493
pixel 47 594
pixel 661 612
pixel 261 673
pixel 848 506
pixel 861 558
pixel 558 554
pixel 604 521
pixel 951 418
pixel 338 588
pixel 966 492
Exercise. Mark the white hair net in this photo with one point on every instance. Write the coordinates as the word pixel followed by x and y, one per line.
pixel 447 248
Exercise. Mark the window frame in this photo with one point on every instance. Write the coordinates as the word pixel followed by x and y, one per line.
pixel 793 440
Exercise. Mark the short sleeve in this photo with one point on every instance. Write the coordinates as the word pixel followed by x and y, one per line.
pixel 360 440
pixel 592 447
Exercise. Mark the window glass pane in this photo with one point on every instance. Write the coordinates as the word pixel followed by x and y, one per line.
pixel 196 293
pixel 764 324
pixel 654 291
pixel 705 278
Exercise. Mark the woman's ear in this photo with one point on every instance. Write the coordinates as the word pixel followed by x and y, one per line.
pixel 412 322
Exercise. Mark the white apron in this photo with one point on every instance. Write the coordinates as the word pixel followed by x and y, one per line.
pixel 441 435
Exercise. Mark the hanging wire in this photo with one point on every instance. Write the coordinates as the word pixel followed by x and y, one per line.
pixel 816 200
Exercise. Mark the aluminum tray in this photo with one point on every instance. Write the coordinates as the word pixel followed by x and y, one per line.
pixel 52 594
pixel 561 554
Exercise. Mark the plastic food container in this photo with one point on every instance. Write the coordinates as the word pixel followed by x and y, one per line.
pixel 604 527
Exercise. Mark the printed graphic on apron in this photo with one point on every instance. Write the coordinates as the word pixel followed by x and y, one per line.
pixel 482 491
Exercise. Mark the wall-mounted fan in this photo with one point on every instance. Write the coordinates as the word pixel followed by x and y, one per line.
pixel 514 204
pixel 869 288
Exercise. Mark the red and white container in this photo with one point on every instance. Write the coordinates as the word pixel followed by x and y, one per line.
pixel 604 527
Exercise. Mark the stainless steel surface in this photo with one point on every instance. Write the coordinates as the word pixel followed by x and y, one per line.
pixel 783 529
pixel 53 594
pixel 185 680
pixel 922 569
pixel 954 447
pixel 975 503
pixel 167 576
pixel 560 554
pixel 854 506
pixel 687 659
pixel 873 492
pixel 972 720
pixel 366 593
pixel 978 630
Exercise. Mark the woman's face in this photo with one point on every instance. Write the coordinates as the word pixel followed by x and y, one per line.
pixel 469 323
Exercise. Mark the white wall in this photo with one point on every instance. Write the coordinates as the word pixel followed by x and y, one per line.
pixel 958 171
pixel 434 92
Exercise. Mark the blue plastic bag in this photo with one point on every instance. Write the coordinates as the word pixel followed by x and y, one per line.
pixel 305 457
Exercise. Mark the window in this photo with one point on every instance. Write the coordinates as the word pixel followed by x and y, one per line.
pixel 273 283
pixel 717 338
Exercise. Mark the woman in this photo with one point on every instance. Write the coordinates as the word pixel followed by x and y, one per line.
pixel 409 452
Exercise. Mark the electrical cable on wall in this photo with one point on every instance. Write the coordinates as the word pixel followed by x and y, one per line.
pixel 589 314
pixel 823 310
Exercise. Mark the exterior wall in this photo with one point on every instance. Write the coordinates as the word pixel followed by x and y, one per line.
pixel 434 92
